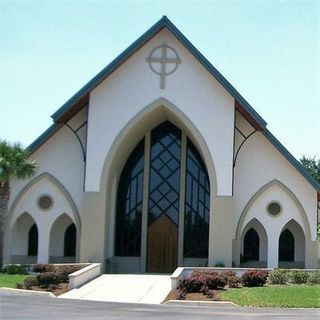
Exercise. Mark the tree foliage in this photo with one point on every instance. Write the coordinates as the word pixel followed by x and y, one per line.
pixel 14 163
pixel 312 165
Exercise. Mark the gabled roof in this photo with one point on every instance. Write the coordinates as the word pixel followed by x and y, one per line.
pixel 164 22
pixel 81 98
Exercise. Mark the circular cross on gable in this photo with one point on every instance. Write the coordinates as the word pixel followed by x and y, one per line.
pixel 163 60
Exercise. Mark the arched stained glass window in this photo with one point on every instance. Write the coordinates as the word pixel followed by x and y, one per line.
pixel 168 150
pixel 70 239
pixel 33 241
pixel 164 172
pixel 129 205
pixel 197 206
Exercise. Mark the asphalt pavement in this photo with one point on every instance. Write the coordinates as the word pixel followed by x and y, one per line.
pixel 36 308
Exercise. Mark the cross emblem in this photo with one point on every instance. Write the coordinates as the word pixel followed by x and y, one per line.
pixel 168 59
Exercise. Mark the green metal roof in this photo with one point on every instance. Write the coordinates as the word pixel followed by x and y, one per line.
pixel 164 22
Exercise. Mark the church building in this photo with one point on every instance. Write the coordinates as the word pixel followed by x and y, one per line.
pixel 159 162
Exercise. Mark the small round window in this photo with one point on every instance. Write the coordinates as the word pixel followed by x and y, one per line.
pixel 274 208
pixel 45 202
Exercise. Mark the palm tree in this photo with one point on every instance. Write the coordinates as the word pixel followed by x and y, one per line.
pixel 14 163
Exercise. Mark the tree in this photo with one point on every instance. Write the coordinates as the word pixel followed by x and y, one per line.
pixel 14 163
pixel 312 165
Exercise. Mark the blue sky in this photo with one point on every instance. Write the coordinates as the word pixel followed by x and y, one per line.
pixel 268 50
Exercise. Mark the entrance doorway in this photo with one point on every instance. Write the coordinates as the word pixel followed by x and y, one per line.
pixel 168 217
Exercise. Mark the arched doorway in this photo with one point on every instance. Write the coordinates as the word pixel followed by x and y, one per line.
pixel 251 245
pixel 63 240
pixel 286 246
pixel 70 241
pixel 254 245
pixel 292 246
pixel 163 197
pixel 33 241
pixel 24 240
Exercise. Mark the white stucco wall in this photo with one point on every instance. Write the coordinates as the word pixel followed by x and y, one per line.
pixel 260 166
pixel 133 86
pixel 60 156
pixel 259 163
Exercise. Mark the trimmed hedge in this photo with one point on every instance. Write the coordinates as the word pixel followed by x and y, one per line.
pixel 30 282
pixel 254 278
pixel 47 278
pixel 42 268
pixel 278 276
pixel 15 269
pixel 205 281
pixel 299 277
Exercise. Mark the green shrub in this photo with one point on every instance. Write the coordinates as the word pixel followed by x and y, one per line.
pixel 254 278
pixel 219 264
pixel 42 268
pixel 52 287
pixel 314 277
pixel 192 284
pixel 278 276
pixel 63 271
pixel 299 277
pixel 215 281
pixel 15 269
pixel 19 285
pixel 234 282
pixel 231 278
pixel 47 278
pixel 227 274
pixel 30 282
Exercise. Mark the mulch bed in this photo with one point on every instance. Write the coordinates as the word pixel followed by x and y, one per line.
pixel 174 294
pixel 61 289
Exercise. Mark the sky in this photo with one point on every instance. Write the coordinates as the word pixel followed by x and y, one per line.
pixel 268 50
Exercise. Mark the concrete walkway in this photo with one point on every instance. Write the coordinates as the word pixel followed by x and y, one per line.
pixel 124 288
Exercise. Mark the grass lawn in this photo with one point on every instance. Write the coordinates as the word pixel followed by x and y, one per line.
pixel 10 280
pixel 278 296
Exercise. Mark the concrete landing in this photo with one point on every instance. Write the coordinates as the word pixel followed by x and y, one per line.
pixel 124 288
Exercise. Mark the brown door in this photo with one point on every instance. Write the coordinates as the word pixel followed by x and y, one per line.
pixel 162 245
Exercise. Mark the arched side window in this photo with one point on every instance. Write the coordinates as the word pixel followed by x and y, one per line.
pixel 33 241
pixel 251 244
pixel 70 240
pixel 197 206
pixel 286 246
pixel 129 205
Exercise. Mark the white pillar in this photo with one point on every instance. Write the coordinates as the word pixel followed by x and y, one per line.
pixel 273 251
pixel 43 245
pixel 220 231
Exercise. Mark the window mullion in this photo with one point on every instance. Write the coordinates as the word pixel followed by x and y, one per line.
pixel 182 197
pixel 146 174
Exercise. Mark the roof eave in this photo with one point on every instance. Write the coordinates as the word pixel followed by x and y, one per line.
pixel 43 138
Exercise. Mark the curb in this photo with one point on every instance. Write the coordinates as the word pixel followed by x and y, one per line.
pixel 202 303
pixel 22 292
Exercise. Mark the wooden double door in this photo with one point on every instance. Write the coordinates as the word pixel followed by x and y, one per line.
pixel 162 246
